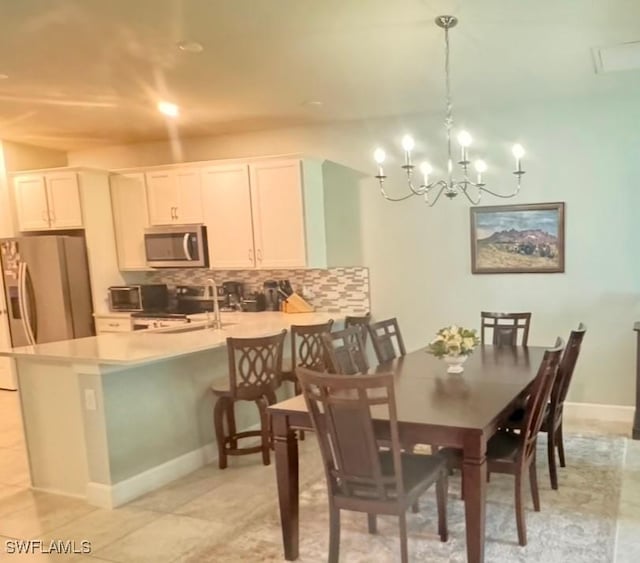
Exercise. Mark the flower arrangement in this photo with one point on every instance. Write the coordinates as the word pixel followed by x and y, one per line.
pixel 453 341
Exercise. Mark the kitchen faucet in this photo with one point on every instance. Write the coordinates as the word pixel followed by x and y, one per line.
pixel 213 289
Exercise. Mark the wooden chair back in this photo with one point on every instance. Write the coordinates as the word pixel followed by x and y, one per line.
pixel 383 334
pixel 340 411
pixel 362 322
pixel 506 327
pixel 345 351
pixel 566 368
pixel 307 348
pixel 255 365
pixel 539 397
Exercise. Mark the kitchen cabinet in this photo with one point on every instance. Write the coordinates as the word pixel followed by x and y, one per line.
pixel 113 323
pixel 130 219
pixel 226 198
pixel 174 196
pixel 278 214
pixel 48 201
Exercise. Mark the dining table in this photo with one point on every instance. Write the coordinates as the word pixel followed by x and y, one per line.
pixel 433 407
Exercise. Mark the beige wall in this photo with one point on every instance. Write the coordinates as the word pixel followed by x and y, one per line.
pixel 582 152
pixel 19 156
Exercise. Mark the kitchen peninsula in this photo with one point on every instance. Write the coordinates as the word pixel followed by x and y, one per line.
pixel 111 417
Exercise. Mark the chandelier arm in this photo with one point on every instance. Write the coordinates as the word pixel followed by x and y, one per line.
pixel 443 186
pixel 389 198
pixel 473 201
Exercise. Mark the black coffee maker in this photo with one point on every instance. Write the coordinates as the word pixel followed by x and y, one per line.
pixel 271 295
pixel 233 292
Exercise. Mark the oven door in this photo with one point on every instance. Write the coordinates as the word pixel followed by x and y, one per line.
pixel 125 298
pixel 176 247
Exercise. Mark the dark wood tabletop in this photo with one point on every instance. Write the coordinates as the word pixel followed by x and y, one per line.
pixel 459 410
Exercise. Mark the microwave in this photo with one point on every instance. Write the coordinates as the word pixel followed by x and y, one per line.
pixel 147 297
pixel 179 246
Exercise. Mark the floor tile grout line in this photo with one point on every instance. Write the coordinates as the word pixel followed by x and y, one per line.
pixel 616 536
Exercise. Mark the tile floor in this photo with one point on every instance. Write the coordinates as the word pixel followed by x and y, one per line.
pixel 185 519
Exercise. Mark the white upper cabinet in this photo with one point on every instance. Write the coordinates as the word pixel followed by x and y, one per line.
pixel 31 202
pixel 63 195
pixel 48 201
pixel 129 202
pixel 226 199
pixel 174 196
pixel 278 214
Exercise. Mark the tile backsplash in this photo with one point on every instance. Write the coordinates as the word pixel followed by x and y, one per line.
pixel 333 290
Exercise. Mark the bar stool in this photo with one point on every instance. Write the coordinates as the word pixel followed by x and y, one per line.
pixel 255 369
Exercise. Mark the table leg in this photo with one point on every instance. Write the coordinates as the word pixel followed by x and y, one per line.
pixel 286 452
pixel 475 489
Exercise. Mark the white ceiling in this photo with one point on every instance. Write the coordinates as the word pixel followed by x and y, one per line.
pixel 88 72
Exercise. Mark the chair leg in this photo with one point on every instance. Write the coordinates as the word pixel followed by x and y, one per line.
pixel 404 552
pixel 231 424
pixel 533 481
pixel 372 523
pixel 334 534
pixel 560 443
pixel 218 423
pixel 551 455
pixel 415 507
pixel 520 517
pixel 442 486
pixel 264 430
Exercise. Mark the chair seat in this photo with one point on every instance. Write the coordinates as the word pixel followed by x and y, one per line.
pixel 418 473
pixel 516 420
pixel 221 392
pixel 503 446
pixel 288 375
pixel 417 469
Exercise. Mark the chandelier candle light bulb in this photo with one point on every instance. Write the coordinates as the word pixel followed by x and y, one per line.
pixel 379 155
pixel 453 184
pixel 408 145
pixel 426 169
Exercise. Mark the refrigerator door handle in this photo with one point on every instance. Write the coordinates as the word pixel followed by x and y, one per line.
pixel 21 301
pixel 22 295
pixel 30 305
pixel 185 246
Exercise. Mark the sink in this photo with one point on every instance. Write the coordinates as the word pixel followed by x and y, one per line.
pixel 191 327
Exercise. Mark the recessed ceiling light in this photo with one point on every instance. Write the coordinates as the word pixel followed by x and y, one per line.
pixel 313 103
pixel 190 46
pixel 168 109
pixel 3 76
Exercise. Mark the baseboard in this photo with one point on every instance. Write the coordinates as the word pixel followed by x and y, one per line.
pixel 112 496
pixel 594 411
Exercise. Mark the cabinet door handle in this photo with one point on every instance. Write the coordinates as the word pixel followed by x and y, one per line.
pixel 173 216
pixel 45 216
pixel 259 255
pixel 115 325
pixel 176 212
pixel 250 254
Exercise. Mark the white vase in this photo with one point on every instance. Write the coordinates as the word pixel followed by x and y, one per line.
pixel 455 363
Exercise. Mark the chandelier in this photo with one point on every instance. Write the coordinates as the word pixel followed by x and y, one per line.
pixel 453 184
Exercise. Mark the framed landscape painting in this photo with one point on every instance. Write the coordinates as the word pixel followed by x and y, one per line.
pixel 517 239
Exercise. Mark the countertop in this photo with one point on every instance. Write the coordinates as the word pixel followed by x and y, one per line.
pixel 139 347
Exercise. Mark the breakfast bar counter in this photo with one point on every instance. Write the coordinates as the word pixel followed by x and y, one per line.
pixel 111 417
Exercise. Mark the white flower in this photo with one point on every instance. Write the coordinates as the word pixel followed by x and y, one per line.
pixel 468 343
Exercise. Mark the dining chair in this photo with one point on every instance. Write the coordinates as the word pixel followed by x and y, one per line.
pixel 345 351
pixel 505 327
pixel 383 334
pixel 514 453
pixel 362 474
pixel 308 351
pixel 552 418
pixel 362 322
pixel 255 369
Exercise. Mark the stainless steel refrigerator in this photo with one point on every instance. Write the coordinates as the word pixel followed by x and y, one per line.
pixel 46 281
